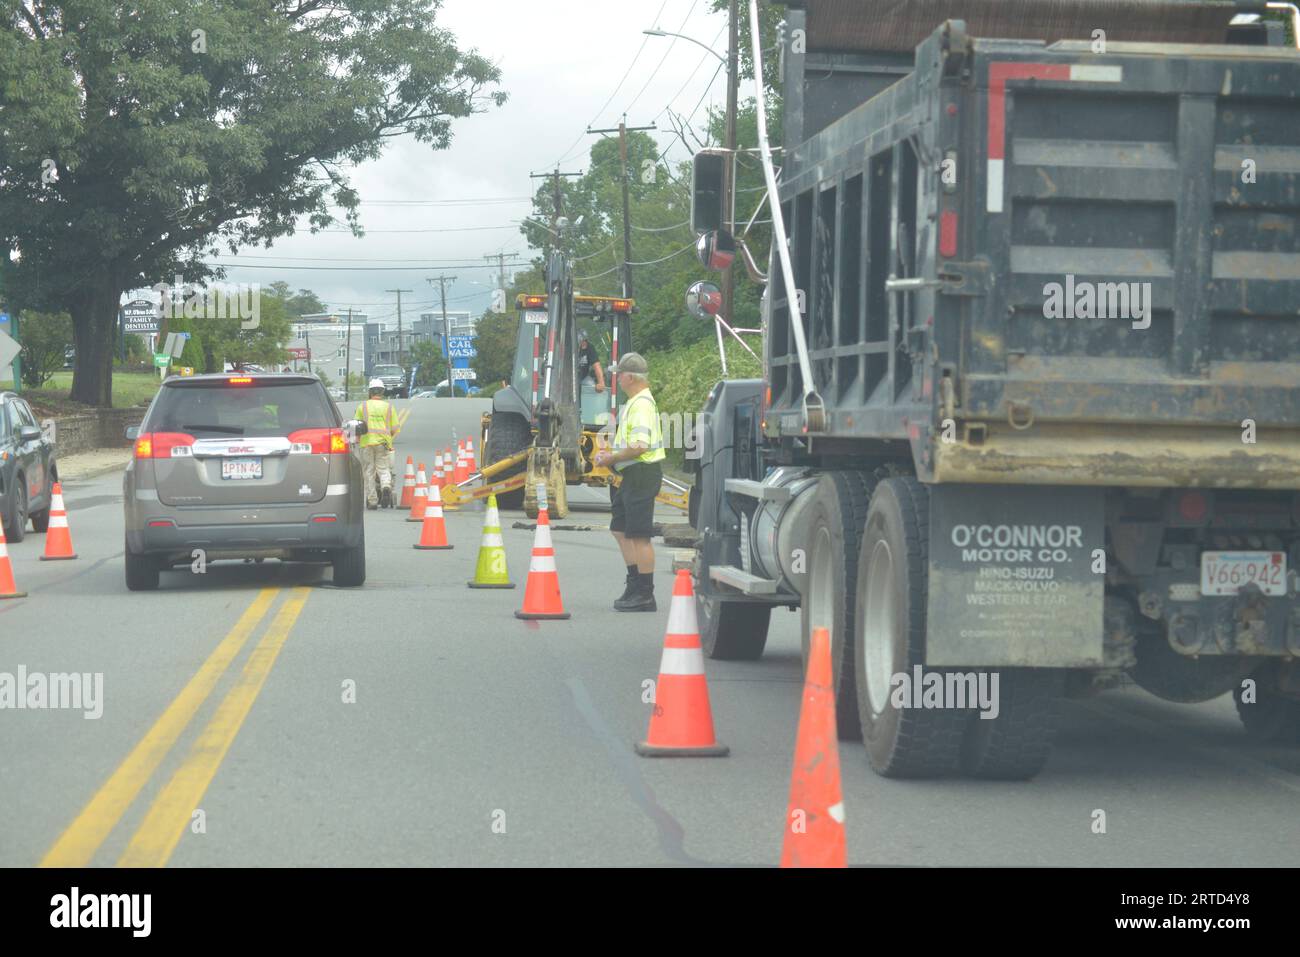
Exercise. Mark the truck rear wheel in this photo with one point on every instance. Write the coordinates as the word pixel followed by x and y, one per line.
pixel 892 578
pixel 732 630
pixel 1015 745
pixel 1272 718
pixel 836 517
pixel 508 434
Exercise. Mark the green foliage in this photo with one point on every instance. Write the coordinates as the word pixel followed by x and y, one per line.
pixel 495 344
pixel 45 339
pixel 164 147
pixel 432 364
pixel 681 379
pixel 216 340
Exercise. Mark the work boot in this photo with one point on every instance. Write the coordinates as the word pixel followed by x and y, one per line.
pixel 386 497
pixel 643 598
pixel 372 505
pixel 630 590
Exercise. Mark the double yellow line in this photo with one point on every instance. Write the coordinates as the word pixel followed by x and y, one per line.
pixel 171 811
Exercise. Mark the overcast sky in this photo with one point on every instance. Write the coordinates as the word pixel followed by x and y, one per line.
pixel 561 63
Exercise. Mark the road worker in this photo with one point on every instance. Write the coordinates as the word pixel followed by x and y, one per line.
pixel 638 450
pixel 376 444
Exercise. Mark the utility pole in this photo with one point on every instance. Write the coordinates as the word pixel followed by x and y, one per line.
pixel 622 132
pixel 347 363
pixel 557 196
pixel 446 327
pixel 501 261
pixel 306 332
pixel 399 324
pixel 729 170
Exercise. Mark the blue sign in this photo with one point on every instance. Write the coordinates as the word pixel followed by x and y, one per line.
pixel 461 347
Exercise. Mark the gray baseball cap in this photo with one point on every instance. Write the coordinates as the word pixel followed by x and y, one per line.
pixel 634 363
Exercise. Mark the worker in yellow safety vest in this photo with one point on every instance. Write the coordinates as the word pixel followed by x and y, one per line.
pixel 376 444
pixel 638 450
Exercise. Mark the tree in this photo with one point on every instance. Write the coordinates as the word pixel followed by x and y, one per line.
pixel 495 345
pixel 45 338
pixel 432 365
pixel 142 138
pixel 216 340
pixel 305 303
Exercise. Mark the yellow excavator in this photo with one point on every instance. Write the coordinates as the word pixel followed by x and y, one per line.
pixel 547 425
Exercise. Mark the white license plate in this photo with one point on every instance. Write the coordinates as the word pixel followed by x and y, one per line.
pixel 241 468
pixel 1224 573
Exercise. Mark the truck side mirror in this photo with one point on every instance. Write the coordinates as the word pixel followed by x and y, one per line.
pixel 704 300
pixel 708 177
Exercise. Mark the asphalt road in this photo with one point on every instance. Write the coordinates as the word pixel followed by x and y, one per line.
pixel 479 739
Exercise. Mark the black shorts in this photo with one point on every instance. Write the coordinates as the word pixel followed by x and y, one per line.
pixel 634 500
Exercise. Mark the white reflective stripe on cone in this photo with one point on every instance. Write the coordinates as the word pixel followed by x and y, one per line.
pixel 57 504
pixel 682 661
pixel 542 563
pixel 58 521
pixel 543 539
pixel 681 616
pixel 4 549
pixel 494 541
pixel 493 518
pixel 435 511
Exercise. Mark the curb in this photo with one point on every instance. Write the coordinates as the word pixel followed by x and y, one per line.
pixel 94 472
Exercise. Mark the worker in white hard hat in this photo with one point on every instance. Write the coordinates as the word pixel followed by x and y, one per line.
pixel 377 445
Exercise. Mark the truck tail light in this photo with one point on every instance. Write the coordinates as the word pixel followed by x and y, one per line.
pixel 948 234
pixel 163 445
pixel 321 441
pixel 1191 507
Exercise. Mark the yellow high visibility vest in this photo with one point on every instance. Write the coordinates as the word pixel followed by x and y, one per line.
pixel 638 423
pixel 378 416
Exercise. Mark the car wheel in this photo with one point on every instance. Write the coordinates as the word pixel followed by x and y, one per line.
pixel 41 518
pixel 16 522
pixel 350 565
pixel 142 571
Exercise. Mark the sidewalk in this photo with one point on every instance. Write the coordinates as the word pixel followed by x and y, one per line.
pixel 84 465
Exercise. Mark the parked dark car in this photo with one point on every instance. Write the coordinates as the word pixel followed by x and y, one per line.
pixel 27 469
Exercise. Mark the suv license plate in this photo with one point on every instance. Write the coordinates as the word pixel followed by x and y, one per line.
pixel 1223 573
pixel 241 468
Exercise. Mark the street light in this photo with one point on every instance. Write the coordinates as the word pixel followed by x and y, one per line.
pixel 682 36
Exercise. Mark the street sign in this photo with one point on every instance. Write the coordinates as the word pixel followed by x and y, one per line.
pixel 140 318
pixel 297 353
pixel 461 347
pixel 8 349
pixel 161 360
pixel 464 374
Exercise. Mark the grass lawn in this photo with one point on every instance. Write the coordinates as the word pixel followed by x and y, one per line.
pixel 129 388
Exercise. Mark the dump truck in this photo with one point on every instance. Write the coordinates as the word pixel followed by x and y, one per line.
pixel 1030 408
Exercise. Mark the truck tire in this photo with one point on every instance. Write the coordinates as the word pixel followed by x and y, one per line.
pixel 142 571
pixel 508 434
pixel 16 521
pixel 836 516
pixel 732 630
pixel 1271 718
pixel 1015 745
pixel 891 589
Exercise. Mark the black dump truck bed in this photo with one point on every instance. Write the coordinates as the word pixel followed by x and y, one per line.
pixel 1045 262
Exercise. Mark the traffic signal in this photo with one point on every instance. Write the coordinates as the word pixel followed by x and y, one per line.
pixel 708 178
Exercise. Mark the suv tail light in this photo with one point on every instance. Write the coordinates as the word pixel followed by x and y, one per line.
pixel 163 445
pixel 321 441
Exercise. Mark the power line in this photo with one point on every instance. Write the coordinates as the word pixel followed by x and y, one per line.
pixel 661 229
pixel 626 74
pixel 439 229
pixel 671 42
pixel 426 266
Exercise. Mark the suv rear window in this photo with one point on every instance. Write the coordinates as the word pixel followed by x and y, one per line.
pixel 215 408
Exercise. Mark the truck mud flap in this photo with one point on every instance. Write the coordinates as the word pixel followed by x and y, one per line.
pixel 1012 579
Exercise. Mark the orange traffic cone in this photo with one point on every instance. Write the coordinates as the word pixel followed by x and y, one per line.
pixel 408 484
pixel 542 590
pixel 58 540
pixel 433 533
pixel 462 470
pixel 418 499
pixel 469 456
pixel 8 587
pixel 681 724
pixel 814 827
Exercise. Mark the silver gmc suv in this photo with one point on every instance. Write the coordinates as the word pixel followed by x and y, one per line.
pixel 243 466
